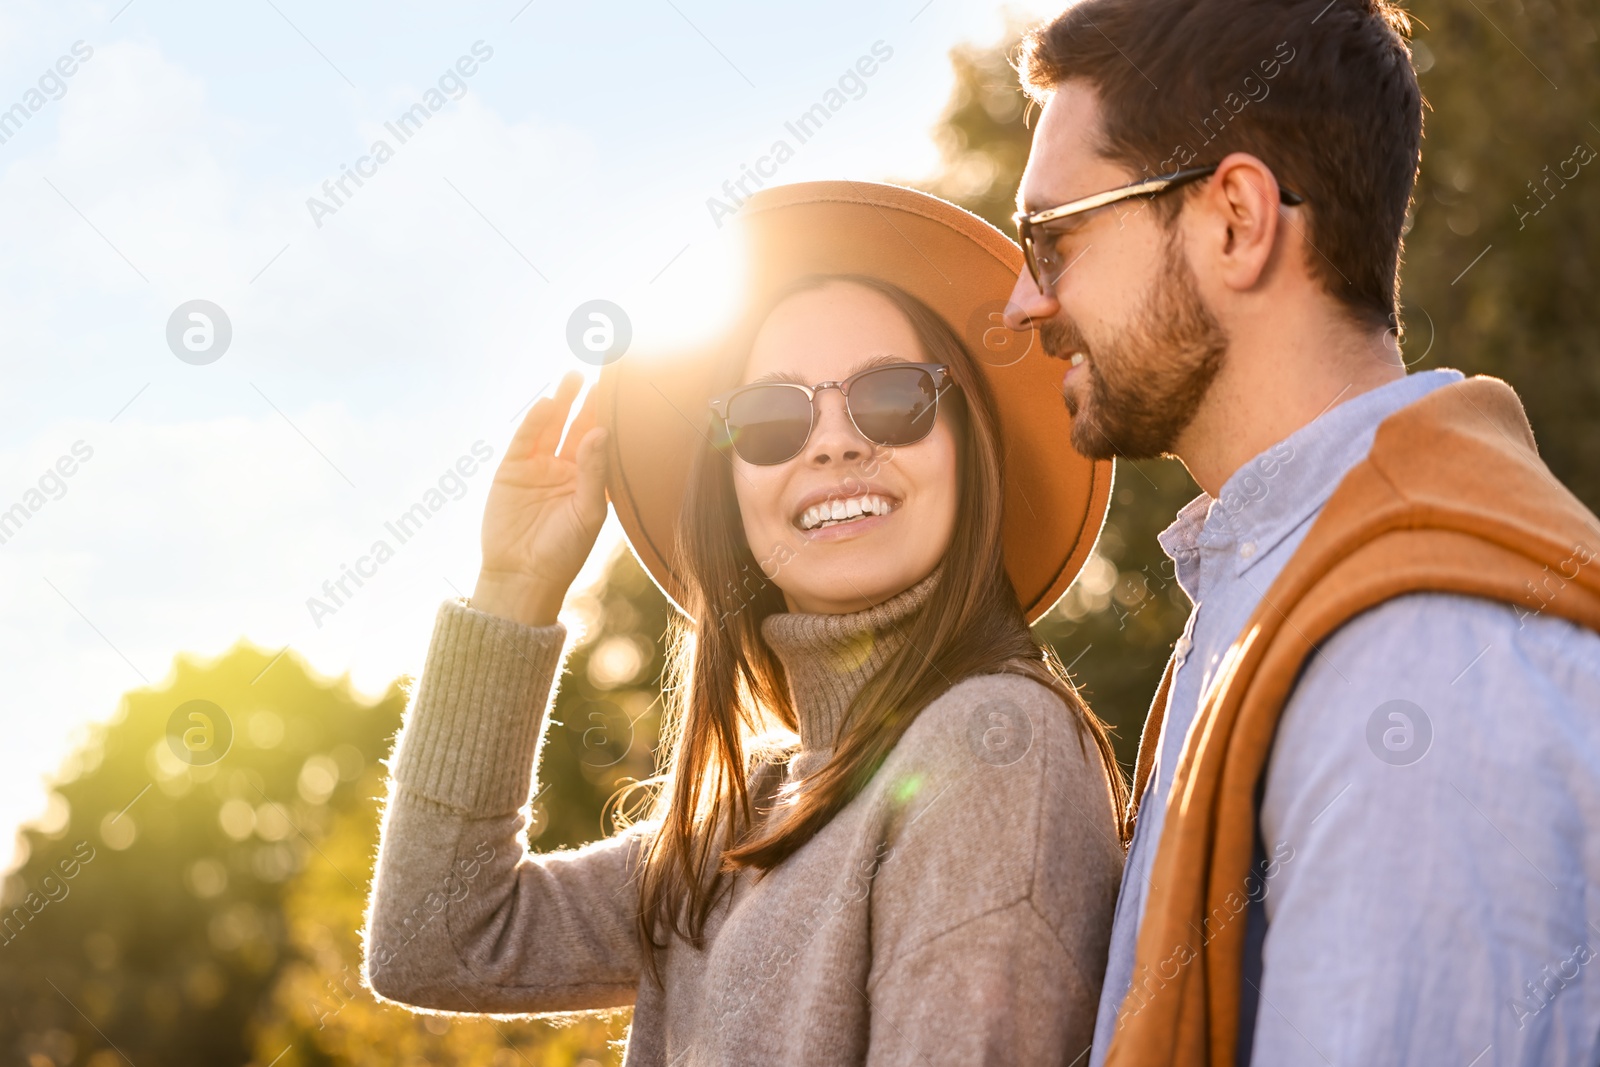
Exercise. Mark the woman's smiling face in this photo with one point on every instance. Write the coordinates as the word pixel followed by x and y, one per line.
pixel 828 334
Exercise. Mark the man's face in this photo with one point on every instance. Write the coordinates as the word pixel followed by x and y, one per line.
pixel 1121 306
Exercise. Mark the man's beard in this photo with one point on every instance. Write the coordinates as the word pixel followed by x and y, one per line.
pixel 1146 386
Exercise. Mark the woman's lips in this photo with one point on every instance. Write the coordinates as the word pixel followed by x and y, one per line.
pixel 844 530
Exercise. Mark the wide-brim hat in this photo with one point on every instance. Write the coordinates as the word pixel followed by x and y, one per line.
pixel 655 405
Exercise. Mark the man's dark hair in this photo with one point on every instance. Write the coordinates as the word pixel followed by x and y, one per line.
pixel 1321 91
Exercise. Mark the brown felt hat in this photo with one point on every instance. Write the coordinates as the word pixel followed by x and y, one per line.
pixel 655 406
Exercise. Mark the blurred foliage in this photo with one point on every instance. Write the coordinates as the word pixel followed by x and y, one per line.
pixel 984 135
pixel 209 914
pixel 182 914
pixel 166 941
pixel 607 714
pixel 1511 101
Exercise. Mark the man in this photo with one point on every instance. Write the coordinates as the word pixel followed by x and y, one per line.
pixel 1369 784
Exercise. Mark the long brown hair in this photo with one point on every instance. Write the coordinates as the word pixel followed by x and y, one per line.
pixel 726 691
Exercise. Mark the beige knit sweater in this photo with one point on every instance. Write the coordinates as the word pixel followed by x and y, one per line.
pixel 957 911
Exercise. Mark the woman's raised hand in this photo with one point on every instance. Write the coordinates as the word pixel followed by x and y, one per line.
pixel 544 510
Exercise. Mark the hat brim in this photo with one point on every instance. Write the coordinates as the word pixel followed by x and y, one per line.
pixel 656 409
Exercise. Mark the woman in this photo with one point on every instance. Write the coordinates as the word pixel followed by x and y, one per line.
pixel 887 831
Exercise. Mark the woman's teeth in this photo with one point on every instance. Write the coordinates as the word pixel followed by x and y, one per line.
pixel 834 512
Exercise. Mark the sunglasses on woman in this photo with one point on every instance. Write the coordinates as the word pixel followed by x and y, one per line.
pixel 892 405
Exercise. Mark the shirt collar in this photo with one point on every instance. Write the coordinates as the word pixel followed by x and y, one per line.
pixel 1269 496
pixel 1181 543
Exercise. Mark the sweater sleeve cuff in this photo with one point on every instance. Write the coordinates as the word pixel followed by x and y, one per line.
pixel 470 738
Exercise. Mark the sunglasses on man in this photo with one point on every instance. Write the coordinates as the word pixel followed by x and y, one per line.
pixel 893 405
pixel 1042 263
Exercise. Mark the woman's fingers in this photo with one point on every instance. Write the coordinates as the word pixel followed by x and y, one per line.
pixel 541 426
pixel 585 420
pixel 550 433
pixel 523 441
pixel 591 460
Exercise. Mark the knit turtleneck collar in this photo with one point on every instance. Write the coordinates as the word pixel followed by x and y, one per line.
pixel 828 658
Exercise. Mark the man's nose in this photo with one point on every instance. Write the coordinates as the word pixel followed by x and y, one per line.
pixel 1028 305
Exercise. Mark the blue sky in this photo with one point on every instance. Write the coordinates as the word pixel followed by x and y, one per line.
pixel 372 346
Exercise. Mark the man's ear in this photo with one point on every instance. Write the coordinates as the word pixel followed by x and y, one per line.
pixel 1239 206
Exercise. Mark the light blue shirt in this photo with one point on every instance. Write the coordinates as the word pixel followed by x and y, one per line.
pixel 1431 813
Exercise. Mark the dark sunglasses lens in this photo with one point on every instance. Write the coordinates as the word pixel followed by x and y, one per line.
pixel 769 424
pixel 894 406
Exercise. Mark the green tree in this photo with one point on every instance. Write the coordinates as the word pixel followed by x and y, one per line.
pixel 1515 94
pixel 164 942
pixel 184 909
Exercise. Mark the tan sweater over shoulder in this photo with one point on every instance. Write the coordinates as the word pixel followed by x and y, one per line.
pixel 956 911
